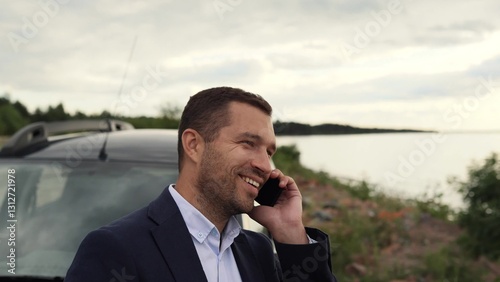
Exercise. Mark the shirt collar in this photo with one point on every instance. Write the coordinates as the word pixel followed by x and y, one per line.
pixel 199 226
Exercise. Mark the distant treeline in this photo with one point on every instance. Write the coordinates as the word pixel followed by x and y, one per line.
pixel 15 115
pixel 293 128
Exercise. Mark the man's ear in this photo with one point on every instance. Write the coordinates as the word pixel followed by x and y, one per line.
pixel 193 145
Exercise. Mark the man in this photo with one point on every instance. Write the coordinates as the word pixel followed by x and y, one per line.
pixel 189 233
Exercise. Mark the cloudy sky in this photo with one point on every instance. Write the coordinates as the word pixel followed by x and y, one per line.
pixel 392 63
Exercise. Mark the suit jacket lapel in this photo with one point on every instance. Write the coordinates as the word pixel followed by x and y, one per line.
pixel 247 264
pixel 174 241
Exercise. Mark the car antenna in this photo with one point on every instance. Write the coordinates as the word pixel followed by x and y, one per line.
pixel 102 154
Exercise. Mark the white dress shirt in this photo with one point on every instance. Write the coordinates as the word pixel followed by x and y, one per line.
pixel 215 254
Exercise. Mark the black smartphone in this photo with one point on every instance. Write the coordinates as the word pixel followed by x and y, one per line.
pixel 269 193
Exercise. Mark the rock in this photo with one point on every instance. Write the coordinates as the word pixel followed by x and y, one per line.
pixel 307 202
pixel 322 216
pixel 371 213
pixel 348 203
pixel 333 204
pixel 356 269
pixel 391 249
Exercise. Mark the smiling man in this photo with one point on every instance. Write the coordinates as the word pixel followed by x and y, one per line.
pixel 189 233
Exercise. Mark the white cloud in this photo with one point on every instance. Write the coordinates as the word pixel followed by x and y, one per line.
pixel 427 56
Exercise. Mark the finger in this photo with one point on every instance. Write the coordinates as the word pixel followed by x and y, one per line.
pixel 276 173
pixel 285 180
pixel 291 185
pixel 289 180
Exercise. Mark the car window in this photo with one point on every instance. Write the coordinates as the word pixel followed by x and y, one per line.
pixel 56 206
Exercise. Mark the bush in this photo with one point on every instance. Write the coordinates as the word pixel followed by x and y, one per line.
pixel 10 120
pixel 447 264
pixel 481 218
pixel 287 159
pixel 433 205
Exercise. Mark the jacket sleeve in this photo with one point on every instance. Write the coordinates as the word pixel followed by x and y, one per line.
pixel 306 263
pixel 101 257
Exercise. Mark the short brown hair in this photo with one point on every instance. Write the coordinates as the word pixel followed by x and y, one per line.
pixel 207 112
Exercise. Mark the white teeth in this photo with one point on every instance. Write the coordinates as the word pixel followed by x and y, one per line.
pixel 251 181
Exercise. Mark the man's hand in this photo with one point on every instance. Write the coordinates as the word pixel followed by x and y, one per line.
pixel 284 220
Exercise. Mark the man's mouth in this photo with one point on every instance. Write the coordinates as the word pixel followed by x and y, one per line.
pixel 250 181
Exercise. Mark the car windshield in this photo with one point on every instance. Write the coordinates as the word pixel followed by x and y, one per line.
pixel 53 206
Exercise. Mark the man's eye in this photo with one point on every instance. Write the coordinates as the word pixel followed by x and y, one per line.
pixel 250 143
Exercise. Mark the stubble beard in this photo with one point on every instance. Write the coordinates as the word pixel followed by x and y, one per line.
pixel 217 185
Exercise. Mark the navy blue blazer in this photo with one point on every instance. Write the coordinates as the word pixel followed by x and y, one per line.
pixel 153 244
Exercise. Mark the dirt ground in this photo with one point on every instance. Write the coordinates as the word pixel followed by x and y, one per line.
pixel 422 234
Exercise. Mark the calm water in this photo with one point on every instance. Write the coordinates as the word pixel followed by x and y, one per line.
pixel 406 164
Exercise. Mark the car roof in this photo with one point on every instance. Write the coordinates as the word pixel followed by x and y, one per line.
pixel 137 145
pixel 128 144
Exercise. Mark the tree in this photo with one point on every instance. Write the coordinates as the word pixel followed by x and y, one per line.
pixel 79 115
pixel 10 120
pixel 56 114
pixel 5 100
pixel 22 110
pixel 170 111
pixel 38 115
pixel 12 116
pixel 106 114
pixel 481 218
pixel 170 115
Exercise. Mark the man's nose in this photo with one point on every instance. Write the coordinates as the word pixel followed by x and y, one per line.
pixel 262 162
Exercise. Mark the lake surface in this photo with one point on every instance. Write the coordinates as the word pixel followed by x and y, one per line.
pixel 404 164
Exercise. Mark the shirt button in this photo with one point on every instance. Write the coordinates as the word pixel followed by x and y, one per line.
pixel 200 234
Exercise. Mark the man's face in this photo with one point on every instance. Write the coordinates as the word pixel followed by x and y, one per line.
pixel 237 163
